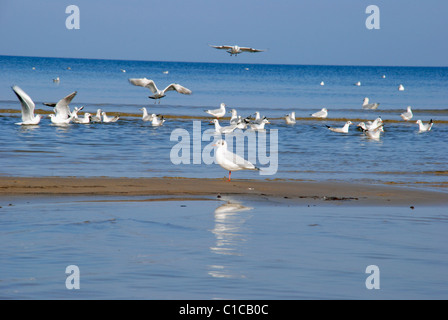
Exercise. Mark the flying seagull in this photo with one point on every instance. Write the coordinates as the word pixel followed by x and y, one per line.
pixel 235 50
pixel 158 94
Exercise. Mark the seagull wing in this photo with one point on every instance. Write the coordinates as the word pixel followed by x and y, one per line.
pixel 62 109
pixel 246 49
pixel 28 105
pixel 178 88
pixel 145 83
pixel 222 47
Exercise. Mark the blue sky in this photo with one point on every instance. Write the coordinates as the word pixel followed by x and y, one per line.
pixel 330 32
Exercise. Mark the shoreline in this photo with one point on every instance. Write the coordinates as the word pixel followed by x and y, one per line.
pixel 190 188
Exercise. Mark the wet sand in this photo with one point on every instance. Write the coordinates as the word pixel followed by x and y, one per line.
pixel 294 191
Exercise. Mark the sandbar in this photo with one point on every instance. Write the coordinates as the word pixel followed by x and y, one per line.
pixel 292 191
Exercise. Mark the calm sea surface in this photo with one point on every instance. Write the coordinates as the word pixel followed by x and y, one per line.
pixel 130 248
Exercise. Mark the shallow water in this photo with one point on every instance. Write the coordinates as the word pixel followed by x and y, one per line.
pixel 306 151
pixel 127 248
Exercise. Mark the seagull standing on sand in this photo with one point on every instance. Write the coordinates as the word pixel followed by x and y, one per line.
pixel 290 118
pixel 107 119
pixel 344 129
pixel 370 106
pixel 229 160
pixel 158 94
pixel 321 114
pixel 406 116
pixel 424 127
pixel 218 113
pixel 28 106
pixel 235 50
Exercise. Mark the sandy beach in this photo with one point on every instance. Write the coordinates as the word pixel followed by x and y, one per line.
pixel 297 191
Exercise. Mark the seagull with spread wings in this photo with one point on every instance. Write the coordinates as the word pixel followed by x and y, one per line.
pixel 235 50
pixel 28 106
pixel 158 94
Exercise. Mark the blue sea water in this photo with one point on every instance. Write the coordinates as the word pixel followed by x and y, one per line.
pixel 306 151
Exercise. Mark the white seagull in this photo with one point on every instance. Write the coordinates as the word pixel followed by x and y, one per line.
pixel 344 129
pixel 407 115
pixel 107 119
pixel 358 84
pixel 28 106
pixel 321 114
pixel 374 133
pixel 158 94
pixel 234 118
pixel 85 120
pixel 218 113
pixel 370 106
pixel 400 87
pixel 290 118
pixel 223 130
pixel 62 109
pixel 259 126
pixel 229 160
pixel 235 50
pixel 146 116
pixel 157 121
pixel 424 127
pixel 97 117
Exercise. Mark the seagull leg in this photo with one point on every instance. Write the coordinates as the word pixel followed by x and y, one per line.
pixel 230 173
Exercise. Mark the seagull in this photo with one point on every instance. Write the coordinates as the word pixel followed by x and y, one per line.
pixel 62 109
pixel 158 94
pixel 321 114
pixel 223 130
pixel 107 119
pixel 290 118
pixel 157 120
pixel 59 120
pixel 370 106
pixel 85 120
pixel 235 50
pixel 424 127
pixel 344 129
pixel 259 126
pixel 229 160
pixel 407 115
pixel 234 118
pixel 218 113
pixel 28 106
pixel 400 87
pixel 146 116
pixel 358 84
pixel 56 80
pixel 97 117
pixel 374 132
pixel 371 125
pixel 322 83
pixel 75 111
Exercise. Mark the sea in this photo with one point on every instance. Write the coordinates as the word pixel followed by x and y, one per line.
pixel 144 248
